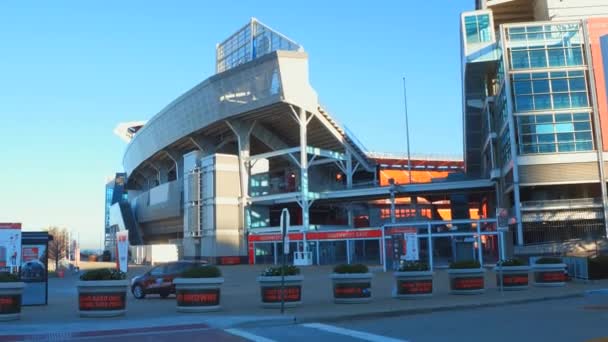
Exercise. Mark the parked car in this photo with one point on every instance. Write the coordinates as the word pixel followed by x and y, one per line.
pixel 159 280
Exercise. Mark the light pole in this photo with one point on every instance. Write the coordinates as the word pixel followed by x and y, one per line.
pixel 407 133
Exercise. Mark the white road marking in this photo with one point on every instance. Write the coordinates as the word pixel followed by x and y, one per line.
pixel 352 333
pixel 249 336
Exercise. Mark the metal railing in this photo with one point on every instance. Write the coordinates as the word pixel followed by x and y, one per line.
pixel 560 231
pixel 562 204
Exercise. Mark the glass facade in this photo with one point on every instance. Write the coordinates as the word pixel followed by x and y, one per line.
pixel 550 90
pixel 555 132
pixel 549 85
pixel 477 28
pixel 250 42
pixel 108 202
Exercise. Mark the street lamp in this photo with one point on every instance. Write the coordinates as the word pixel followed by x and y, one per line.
pixel 407 133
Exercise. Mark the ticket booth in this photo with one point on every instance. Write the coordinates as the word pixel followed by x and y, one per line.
pixel 33 272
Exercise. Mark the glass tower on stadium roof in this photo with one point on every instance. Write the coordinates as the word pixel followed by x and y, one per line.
pixel 250 42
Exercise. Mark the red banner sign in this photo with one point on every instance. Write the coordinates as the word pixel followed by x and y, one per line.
pixel 415 287
pixel 514 280
pixel 467 283
pixel 210 297
pixel 10 304
pixel 273 294
pixel 101 301
pixel 550 277
pixel 320 235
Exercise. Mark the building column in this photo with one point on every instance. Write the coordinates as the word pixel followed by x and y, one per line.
pixel 349 185
pixel 599 143
pixel 242 130
pixel 392 189
pixel 303 121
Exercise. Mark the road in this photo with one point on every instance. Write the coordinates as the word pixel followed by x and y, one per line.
pixel 575 319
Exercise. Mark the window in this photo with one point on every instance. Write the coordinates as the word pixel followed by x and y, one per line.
pixel 505 147
pixel 405 212
pixel 158 271
pixel 554 45
pixel 545 91
pixel 554 133
pixel 477 28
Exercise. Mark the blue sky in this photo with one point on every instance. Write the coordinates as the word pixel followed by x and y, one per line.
pixel 70 71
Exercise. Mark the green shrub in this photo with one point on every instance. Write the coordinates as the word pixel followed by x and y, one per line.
pixel 511 262
pixel 103 274
pixel 465 264
pixel 413 266
pixel 276 271
pixel 354 268
pixel 202 272
pixel 545 260
pixel 6 277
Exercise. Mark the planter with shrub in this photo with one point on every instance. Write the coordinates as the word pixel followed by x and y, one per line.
pixel 514 274
pixel 270 286
pixel 549 272
pixel 413 280
pixel 466 277
pixel 352 284
pixel 11 290
pixel 102 293
pixel 198 289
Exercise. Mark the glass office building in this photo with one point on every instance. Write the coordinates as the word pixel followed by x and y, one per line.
pixel 535 116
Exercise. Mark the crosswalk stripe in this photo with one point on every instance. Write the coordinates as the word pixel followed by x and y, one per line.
pixel 352 333
pixel 249 336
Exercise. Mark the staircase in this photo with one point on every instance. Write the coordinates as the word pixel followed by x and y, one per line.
pixel 135 235
pixel 349 138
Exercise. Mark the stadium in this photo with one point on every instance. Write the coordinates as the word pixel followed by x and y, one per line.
pixel 213 170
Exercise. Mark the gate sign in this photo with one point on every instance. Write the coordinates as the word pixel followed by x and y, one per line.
pixel 10 246
pixel 122 249
pixel 411 247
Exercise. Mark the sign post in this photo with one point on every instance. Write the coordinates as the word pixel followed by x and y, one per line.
pixel 285 235
pixel 502 216
pixel 122 249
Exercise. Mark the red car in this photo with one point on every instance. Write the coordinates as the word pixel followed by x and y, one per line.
pixel 159 280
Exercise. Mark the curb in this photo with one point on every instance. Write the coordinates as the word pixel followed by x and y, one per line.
pixel 406 312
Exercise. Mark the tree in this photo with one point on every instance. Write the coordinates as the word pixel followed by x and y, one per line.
pixel 58 247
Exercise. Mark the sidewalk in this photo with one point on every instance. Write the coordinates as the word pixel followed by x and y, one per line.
pixel 241 303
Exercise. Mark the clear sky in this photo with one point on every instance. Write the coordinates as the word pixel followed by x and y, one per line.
pixel 71 70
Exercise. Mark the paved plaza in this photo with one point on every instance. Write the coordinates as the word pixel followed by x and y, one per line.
pixel 241 306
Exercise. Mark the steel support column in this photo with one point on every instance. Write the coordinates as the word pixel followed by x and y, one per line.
pixel 303 122
pixel 349 185
pixel 513 140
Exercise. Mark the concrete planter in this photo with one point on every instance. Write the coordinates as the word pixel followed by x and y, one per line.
pixel 513 277
pixel 352 288
pixel 549 274
pixel 102 298
pixel 416 284
pixel 10 300
pixel 270 291
pixel 467 280
pixel 198 294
